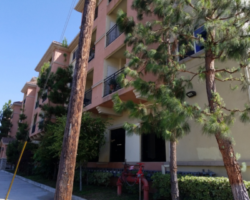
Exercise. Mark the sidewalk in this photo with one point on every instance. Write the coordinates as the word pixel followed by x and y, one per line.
pixel 21 190
pixel 25 189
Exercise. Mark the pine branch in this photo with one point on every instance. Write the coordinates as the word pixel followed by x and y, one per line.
pixel 230 72
pixel 191 5
pixel 226 18
pixel 230 110
pixel 228 79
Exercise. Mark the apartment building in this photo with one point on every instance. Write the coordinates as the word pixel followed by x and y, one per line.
pixel 58 56
pixel 195 151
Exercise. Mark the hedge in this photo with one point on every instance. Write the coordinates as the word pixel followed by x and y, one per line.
pixel 194 188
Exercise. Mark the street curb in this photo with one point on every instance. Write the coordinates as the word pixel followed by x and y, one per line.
pixel 45 187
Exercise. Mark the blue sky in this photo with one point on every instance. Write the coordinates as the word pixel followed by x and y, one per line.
pixel 27 28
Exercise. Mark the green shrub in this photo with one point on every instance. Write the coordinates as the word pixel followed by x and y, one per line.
pixel 99 178
pixel 162 183
pixel 195 188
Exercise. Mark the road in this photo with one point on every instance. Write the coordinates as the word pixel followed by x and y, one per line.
pixel 22 190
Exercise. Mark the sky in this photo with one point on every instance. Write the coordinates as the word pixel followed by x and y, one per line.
pixel 27 29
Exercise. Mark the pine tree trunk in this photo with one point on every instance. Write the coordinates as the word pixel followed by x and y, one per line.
pixel 65 178
pixel 80 176
pixel 173 171
pixel 225 145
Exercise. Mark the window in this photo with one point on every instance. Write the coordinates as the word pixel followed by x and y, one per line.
pixel 117 145
pixel 153 148
pixel 200 31
pixel 196 47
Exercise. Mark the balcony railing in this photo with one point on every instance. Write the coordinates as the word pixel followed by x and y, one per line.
pixel 87 97
pixel 110 83
pixel 112 34
pixel 34 128
pixel 92 53
pixel 96 13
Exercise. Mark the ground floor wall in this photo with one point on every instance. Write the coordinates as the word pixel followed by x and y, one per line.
pixel 195 152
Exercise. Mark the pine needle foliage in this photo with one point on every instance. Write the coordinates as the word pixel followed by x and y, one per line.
pixel 23 128
pixel 91 136
pixel 5 119
pixel 161 46
pixel 57 87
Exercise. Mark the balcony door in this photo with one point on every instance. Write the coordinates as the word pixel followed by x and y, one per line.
pixel 111 70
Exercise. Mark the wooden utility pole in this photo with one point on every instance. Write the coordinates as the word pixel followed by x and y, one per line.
pixel 65 178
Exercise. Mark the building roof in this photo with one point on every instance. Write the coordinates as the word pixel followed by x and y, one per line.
pixel 47 56
pixel 16 103
pixel 31 83
pixel 7 140
pixel 79 6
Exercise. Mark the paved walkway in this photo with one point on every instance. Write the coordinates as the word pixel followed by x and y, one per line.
pixel 22 190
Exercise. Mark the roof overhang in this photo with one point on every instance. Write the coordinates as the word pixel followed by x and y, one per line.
pixel 46 57
pixel 17 103
pixel 26 86
pixel 79 6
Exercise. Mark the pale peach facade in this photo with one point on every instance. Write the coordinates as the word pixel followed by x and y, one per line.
pixel 16 107
pixel 196 151
pixel 58 56
pixel 29 94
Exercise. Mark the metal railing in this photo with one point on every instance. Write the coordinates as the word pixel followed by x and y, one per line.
pixel 87 98
pixel 92 53
pixel 110 83
pixel 33 128
pixel 112 34
pixel 96 12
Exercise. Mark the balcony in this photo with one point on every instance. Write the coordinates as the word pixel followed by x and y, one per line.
pixel 112 34
pixel 87 98
pixel 110 83
pixel 92 53
pixel 33 128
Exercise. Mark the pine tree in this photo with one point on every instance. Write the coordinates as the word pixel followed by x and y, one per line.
pixel 5 119
pixel 56 87
pixel 23 128
pixel 225 35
